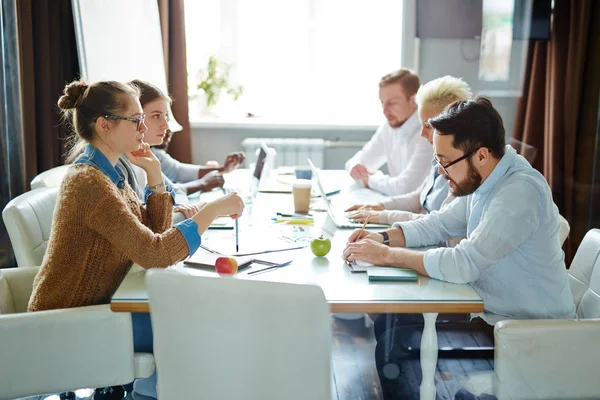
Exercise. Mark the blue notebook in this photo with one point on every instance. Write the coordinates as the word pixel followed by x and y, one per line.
pixel 392 274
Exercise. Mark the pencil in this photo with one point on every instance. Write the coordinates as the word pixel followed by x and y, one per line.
pixel 237 236
pixel 364 225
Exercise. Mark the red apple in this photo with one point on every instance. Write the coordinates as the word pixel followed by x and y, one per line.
pixel 226 266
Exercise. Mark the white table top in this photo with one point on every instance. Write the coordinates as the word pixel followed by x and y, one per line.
pixel 344 290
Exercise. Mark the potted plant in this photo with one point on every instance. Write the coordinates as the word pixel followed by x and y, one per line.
pixel 212 81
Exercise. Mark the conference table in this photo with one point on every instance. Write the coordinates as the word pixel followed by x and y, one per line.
pixel 345 291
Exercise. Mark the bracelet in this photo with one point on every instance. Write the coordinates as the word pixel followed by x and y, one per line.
pixel 386 237
pixel 160 185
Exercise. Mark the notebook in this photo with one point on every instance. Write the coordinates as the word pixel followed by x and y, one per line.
pixel 205 259
pixel 392 274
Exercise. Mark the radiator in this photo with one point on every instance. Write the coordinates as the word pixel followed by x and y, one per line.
pixel 290 151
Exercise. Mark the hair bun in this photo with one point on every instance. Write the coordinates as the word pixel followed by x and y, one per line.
pixel 72 95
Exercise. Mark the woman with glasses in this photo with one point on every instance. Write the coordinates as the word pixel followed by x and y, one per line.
pixel 433 193
pixel 100 227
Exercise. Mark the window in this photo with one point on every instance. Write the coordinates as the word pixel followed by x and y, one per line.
pixel 299 61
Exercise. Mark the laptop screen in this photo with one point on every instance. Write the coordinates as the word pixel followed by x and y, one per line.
pixel 260 162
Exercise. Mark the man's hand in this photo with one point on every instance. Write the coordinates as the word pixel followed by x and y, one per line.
pixel 359 172
pixel 378 206
pixel 367 250
pixel 359 234
pixel 233 160
pixel 211 180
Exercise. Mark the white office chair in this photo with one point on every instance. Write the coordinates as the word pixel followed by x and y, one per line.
pixel 62 350
pixel 556 359
pixel 227 338
pixel 50 178
pixel 28 219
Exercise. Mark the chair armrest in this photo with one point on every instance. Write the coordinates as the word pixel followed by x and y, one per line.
pixel 547 359
pixel 20 282
pixel 60 350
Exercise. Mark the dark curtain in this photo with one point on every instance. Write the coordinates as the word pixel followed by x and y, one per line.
pixel 558 110
pixel 48 54
pixel 172 23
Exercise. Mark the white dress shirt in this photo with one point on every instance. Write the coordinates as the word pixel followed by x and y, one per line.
pixel 512 253
pixel 406 153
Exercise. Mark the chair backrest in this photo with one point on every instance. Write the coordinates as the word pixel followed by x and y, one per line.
pixel 227 338
pixel 584 276
pixel 526 150
pixel 565 228
pixel 50 178
pixel 28 219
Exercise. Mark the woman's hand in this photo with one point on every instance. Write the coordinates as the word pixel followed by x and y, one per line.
pixel 144 158
pixel 233 160
pixel 361 216
pixel 367 250
pixel 358 207
pixel 230 204
pixel 188 210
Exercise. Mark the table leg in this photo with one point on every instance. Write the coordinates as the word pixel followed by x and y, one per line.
pixel 429 351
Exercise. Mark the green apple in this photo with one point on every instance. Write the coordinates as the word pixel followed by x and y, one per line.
pixel 320 246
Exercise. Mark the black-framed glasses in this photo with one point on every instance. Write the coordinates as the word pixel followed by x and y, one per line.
pixel 451 163
pixel 139 120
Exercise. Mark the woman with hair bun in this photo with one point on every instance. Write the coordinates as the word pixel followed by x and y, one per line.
pixel 100 227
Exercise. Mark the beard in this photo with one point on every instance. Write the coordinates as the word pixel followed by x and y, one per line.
pixel 468 185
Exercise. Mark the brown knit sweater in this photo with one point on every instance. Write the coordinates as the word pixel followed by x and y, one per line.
pixel 98 231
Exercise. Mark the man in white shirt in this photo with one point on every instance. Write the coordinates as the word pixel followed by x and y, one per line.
pixel 511 255
pixel 397 142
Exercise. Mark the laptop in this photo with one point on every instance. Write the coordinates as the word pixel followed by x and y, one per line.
pixel 339 218
pixel 264 162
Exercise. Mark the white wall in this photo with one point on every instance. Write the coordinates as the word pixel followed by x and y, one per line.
pixel 435 58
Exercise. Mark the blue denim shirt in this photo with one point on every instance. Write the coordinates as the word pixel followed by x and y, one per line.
pixel 512 253
pixel 92 156
pixel 433 199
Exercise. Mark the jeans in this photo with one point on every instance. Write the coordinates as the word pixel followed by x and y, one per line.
pixel 142 333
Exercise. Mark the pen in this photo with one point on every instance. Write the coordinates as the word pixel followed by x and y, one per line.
pixel 269 268
pixel 237 236
pixel 294 221
pixel 282 215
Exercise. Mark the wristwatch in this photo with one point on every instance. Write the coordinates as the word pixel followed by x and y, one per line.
pixel 386 237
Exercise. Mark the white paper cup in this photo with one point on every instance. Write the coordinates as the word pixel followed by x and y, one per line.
pixel 301 193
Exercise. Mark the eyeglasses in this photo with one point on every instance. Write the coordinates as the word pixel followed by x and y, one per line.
pixel 139 120
pixel 459 159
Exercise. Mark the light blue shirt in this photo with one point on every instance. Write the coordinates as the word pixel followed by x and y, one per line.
pixel 433 197
pixel 512 253
pixel 92 156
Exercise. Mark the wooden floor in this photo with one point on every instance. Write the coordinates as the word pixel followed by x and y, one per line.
pixel 355 375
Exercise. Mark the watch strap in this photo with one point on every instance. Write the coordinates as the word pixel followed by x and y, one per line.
pixel 386 237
